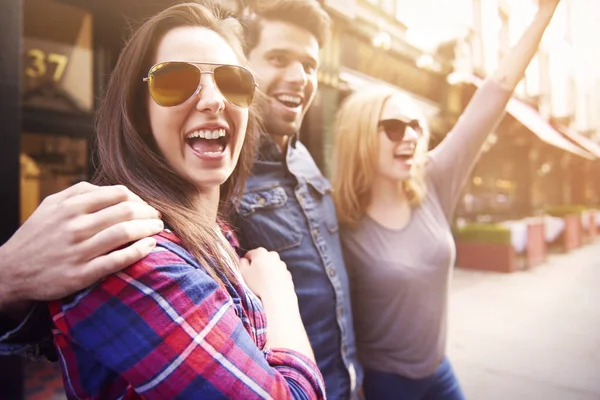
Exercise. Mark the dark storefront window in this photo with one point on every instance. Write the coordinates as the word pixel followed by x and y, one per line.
pixel 57 99
pixel 49 163
pixel 57 57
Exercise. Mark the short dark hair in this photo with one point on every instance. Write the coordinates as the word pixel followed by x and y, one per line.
pixel 306 14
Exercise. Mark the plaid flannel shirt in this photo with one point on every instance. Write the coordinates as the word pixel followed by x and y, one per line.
pixel 164 329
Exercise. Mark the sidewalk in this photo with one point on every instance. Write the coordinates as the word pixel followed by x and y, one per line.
pixel 529 335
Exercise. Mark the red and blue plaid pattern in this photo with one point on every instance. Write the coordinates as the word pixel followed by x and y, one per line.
pixel 164 329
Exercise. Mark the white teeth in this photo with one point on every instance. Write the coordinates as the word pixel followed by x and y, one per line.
pixel 207 134
pixel 296 100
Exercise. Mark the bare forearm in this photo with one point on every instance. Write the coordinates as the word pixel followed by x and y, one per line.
pixel 285 328
pixel 512 67
pixel 10 303
pixel 7 292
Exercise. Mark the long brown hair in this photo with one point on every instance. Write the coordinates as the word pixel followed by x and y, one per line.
pixel 128 154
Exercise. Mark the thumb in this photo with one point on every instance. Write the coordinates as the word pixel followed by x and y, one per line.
pixel 244 263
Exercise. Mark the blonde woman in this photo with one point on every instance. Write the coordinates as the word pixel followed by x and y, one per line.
pixel 395 202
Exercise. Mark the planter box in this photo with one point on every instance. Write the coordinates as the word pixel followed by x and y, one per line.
pixel 592 229
pixel 486 257
pixel 536 243
pixel 571 237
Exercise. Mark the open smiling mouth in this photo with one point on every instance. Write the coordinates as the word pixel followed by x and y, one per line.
pixel 405 157
pixel 209 142
pixel 289 101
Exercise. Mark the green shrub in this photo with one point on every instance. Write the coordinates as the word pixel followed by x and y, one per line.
pixel 564 210
pixel 483 233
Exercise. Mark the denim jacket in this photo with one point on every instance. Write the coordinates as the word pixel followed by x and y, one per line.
pixel 287 207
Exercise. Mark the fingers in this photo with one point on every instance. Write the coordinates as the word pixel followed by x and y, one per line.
pixel 119 235
pixel 117 260
pixel 244 263
pixel 91 224
pixel 79 188
pixel 253 254
pixel 100 198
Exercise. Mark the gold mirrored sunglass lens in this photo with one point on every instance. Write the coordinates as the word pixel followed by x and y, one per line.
pixel 236 84
pixel 173 83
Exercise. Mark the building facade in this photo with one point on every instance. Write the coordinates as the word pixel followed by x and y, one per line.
pixel 542 154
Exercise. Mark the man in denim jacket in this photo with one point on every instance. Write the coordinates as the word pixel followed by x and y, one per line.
pixel 287 205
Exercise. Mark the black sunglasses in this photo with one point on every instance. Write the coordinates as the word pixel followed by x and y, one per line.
pixel 395 129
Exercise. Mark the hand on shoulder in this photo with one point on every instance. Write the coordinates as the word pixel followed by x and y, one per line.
pixel 73 239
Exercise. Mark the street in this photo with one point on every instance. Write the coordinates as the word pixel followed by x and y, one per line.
pixel 531 334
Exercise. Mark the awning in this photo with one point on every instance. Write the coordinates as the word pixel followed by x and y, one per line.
pixel 533 120
pixel 536 123
pixel 583 141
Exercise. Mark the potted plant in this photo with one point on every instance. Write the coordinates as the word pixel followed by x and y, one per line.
pixel 485 247
pixel 589 223
pixel 571 238
pixel 536 242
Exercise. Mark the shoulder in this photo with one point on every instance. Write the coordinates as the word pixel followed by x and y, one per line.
pixel 169 275
pixel 352 236
pixel 168 268
pixel 169 252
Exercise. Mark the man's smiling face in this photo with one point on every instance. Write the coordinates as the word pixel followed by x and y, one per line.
pixel 285 61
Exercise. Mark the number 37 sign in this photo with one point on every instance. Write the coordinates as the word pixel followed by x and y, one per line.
pixel 57 75
pixel 45 65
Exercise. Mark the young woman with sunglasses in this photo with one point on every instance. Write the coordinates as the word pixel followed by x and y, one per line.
pixel 178 128
pixel 396 202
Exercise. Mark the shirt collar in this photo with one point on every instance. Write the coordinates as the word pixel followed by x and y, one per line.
pixel 269 150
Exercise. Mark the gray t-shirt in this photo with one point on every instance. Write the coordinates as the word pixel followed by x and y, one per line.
pixel 400 278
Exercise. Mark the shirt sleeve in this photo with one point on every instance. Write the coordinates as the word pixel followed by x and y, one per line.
pixel 172 332
pixel 452 161
pixel 31 337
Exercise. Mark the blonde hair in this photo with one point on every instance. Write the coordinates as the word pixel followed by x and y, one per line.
pixel 356 153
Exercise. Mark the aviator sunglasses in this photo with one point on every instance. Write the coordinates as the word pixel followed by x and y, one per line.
pixel 395 129
pixel 172 83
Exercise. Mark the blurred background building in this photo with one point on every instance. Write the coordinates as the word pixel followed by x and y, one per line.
pixel 543 153
pixel 435 51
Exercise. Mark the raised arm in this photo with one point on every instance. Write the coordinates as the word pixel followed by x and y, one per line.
pixel 452 161
pixel 171 331
pixel 512 67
